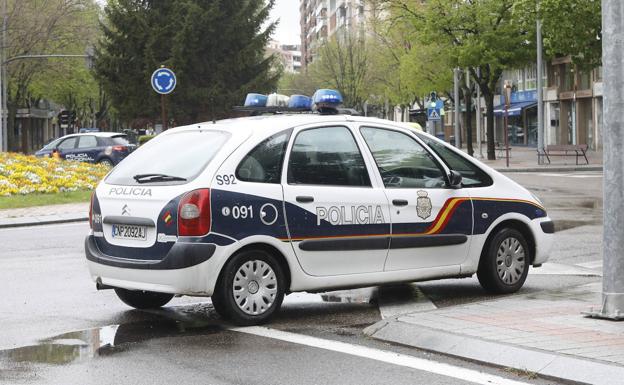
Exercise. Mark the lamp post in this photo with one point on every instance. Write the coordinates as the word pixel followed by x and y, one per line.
pixel 507 103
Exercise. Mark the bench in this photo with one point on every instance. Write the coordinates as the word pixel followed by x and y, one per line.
pixel 577 150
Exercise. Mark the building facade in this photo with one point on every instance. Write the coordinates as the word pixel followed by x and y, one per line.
pixel 321 19
pixel 572 105
pixel 289 55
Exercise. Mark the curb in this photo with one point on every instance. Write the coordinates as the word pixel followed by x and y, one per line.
pixel 34 222
pixel 544 364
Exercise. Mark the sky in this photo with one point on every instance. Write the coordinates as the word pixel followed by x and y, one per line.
pixel 288 30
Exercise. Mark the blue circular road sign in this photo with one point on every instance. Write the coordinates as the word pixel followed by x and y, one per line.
pixel 163 81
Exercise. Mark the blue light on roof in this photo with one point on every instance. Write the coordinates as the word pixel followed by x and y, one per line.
pixel 327 98
pixel 255 100
pixel 300 101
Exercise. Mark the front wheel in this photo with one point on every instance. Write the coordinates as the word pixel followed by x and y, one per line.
pixel 141 299
pixel 504 264
pixel 251 288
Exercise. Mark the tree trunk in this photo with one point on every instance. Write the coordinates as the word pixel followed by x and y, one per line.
pixel 489 104
pixel 468 120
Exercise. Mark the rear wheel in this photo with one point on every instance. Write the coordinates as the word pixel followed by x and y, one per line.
pixel 106 162
pixel 505 263
pixel 251 288
pixel 140 299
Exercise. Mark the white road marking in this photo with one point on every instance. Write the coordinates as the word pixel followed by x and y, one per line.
pixel 381 355
pixel 580 176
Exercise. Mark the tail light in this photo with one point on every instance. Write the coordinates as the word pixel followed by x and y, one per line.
pixel 91 210
pixel 120 148
pixel 194 213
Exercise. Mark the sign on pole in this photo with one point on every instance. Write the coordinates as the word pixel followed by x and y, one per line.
pixel 163 82
pixel 433 114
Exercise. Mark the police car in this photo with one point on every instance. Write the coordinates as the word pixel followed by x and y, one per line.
pixel 108 148
pixel 249 209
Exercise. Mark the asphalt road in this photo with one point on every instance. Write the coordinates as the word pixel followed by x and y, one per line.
pixel 57 329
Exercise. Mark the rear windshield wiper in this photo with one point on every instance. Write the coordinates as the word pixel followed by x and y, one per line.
pixel 149 178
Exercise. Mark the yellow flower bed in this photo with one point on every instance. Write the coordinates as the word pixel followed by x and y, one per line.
pixel 26 174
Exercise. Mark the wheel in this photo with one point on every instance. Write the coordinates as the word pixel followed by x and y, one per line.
pixel 106 162
pixel 140 299
pixel 504 265
pixel 250 289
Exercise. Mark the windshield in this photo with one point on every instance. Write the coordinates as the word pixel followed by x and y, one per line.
pixel 52 144
pixel 180 156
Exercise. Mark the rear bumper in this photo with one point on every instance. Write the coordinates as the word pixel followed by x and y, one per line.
pixel 181 256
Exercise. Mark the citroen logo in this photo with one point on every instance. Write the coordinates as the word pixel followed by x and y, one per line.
pixel 125 210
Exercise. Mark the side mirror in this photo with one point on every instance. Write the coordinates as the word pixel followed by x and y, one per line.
pixel 455 179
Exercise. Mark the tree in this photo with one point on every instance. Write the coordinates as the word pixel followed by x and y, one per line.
pixel 569 27
pixel 215 47
pixel 477 34
pixel 44 27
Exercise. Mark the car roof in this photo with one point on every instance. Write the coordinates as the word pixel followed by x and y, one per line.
pixel 100 134
pixel 268 124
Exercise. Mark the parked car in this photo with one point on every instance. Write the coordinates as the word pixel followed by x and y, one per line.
pixel 108 148
pixel 246 210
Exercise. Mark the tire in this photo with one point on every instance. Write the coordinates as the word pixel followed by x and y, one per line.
pixel 140 299
pixel 250 289
pixel 504 264
pixel 106 162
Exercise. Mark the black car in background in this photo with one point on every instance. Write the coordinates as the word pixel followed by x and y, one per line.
pixel 108 148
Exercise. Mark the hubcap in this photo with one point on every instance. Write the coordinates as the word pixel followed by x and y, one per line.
pixel 255 287
pixel 510 260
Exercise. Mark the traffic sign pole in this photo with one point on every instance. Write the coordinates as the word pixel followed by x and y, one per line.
pixel 163 82
pixel 163 112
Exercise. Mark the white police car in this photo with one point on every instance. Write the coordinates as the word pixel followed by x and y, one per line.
pixel 246 210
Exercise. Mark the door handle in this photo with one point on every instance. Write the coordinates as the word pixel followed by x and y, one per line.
pixel 399 202
pixel 305 199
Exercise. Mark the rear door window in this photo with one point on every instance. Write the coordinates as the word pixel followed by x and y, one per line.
pixel 183 155
pixel 87 141
pixel 263 164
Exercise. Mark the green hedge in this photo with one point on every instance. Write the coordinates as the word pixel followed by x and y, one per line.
pixel 145 138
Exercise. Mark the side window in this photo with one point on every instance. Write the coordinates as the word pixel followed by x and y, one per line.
pixel 264 163
pixel 402 161
pixel 88 141
pixel 472 176
pixel 68 144
pixel 327 156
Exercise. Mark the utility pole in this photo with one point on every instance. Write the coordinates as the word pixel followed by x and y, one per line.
pixel 457 105
pixel 613 180
pixel 479 117
pixel 540 88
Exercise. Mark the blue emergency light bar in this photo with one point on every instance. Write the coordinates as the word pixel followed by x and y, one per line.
pixel 324 101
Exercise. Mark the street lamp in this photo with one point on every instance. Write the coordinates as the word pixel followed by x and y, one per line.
pixel 507 103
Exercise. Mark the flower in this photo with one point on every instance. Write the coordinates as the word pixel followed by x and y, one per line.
pixel 26 174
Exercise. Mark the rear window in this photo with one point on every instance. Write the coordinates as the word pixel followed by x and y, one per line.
pixel 121 140
pixel 183 155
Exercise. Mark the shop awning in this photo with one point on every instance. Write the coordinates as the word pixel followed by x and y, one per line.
pixel 515 109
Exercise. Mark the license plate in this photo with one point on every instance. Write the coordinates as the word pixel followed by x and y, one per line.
pixel 133 232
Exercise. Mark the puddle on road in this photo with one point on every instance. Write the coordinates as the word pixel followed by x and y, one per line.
pixel 173 321
pixel 85 344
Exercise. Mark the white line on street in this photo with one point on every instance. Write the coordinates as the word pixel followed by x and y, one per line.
pixel 381 355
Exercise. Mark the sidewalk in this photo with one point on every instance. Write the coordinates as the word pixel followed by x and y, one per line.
pixel 40 215
pixel 544 333
pixel 524 159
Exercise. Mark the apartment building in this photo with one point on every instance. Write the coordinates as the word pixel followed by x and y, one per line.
pixel 321 19
pixel 289 55
pixel 572 105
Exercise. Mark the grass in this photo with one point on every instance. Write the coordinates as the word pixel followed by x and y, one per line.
pixel 30 200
